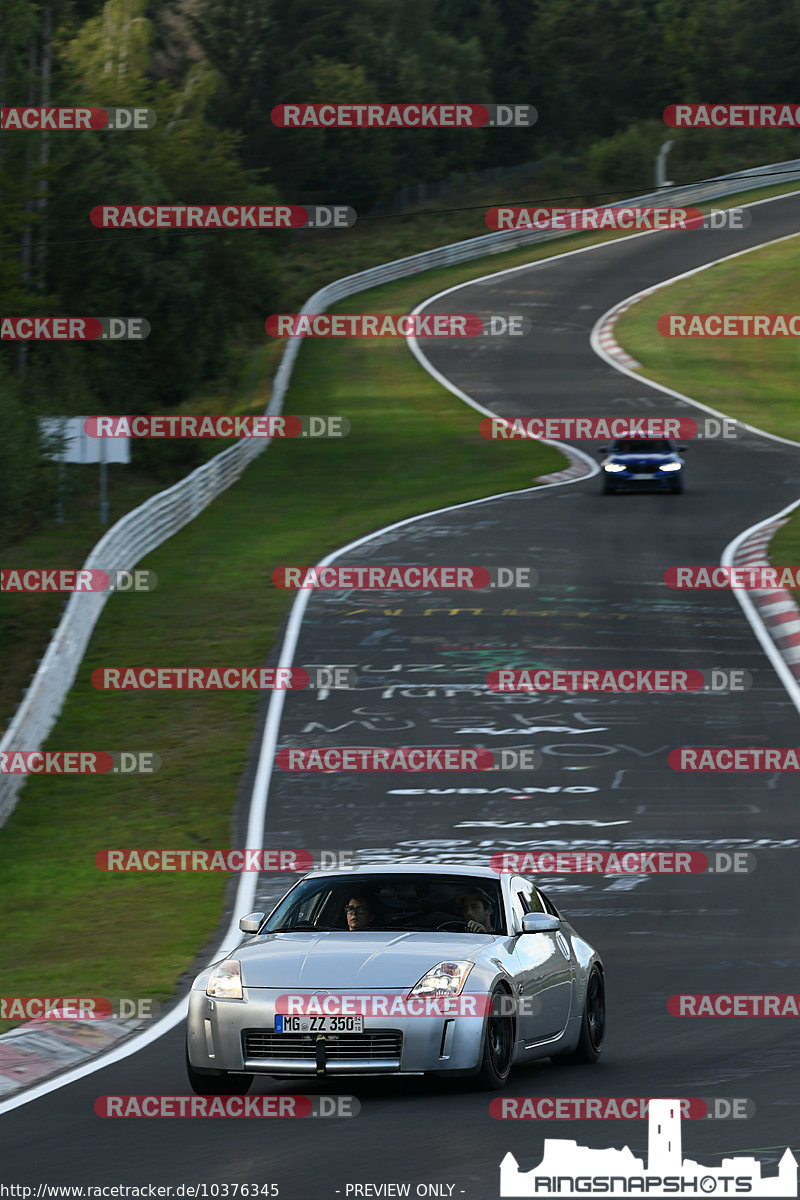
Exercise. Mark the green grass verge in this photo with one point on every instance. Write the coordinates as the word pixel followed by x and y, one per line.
pixel 25 627
pixel 784 548
pixel 70 929
pixel 753 379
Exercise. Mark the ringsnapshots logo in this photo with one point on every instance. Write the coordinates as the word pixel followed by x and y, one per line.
pixel 404 116
pixel 223 216
pixel 221 426
pixel 62 119
pixel 569 1170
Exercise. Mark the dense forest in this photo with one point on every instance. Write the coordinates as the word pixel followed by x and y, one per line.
pixel 599 72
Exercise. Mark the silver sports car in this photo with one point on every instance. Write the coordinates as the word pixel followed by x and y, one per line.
pixel 396 971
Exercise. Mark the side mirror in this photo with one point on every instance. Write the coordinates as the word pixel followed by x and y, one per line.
pixel 251 922
pixel 601 451
pixel 540 923
pixel 682 449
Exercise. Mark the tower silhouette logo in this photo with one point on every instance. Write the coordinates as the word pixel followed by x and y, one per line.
pixel 568 1169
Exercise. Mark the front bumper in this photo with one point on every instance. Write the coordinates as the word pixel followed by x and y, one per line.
pixel 657 480
pixel 238 1035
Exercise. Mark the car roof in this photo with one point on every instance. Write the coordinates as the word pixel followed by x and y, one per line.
pixel 671 442
pixel 403 869
pixel 672 445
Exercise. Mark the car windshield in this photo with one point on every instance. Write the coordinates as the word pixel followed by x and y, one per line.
pixel 641 446
pixel 406 903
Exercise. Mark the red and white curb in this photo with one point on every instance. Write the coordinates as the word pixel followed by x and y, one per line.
pixel 776 607
pixel 770 612
pixel 606 339
pixel 39 1049
pixel 576 470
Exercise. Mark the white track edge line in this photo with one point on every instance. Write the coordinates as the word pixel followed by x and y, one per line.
pixel 245 893
pixel 601 352
pixel 246 890
pixel 748 607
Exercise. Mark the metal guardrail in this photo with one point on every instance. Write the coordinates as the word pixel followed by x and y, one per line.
pixel 146 527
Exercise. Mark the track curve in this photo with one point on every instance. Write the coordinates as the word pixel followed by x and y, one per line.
pixel 600 602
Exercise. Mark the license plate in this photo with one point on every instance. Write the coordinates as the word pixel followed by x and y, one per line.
pixel 297 1024
pixel 647 476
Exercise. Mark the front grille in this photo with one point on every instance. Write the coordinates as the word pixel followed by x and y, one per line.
pixel 380 1044
pixel 643 468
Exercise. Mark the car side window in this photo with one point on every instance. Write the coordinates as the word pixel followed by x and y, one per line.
pixel 524 899
pixel 530 896
pixel 517 910
pixel 548 905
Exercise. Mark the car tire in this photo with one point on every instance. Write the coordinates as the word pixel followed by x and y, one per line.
pixel 607 489
pixel 593 1023
pixel 498 1044
pixel 678 488
pixel 217 1083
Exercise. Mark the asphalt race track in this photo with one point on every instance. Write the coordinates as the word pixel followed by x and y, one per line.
pixel 422 662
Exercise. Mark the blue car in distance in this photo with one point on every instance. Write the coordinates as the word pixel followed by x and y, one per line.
pixel 651 464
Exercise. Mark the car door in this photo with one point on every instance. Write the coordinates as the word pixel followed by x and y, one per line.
pixel 546 969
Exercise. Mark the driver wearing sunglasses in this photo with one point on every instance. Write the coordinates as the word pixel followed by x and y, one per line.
pixel 360 913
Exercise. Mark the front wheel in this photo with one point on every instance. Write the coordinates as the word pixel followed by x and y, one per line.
pixel 220 1083
pixel 593 1023
pixel 498 1044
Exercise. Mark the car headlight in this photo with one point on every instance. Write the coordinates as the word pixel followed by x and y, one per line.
pixel 670 467
pixel 613 467
pixel 445 979
pixel 225 981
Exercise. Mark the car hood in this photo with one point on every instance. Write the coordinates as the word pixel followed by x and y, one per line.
pixel 348 960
